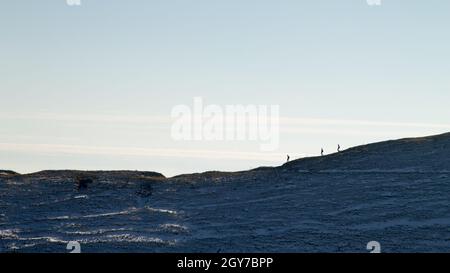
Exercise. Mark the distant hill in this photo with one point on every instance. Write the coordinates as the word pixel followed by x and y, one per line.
pixel 73 175
pixel 99 174
pixel 7 173
pixel 425 154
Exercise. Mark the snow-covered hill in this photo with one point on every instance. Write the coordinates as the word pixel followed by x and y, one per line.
pixel 395 192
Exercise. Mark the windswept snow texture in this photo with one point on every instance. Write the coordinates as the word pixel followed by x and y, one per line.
pixel 396 193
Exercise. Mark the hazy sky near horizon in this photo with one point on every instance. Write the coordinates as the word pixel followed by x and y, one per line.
pixel 93 86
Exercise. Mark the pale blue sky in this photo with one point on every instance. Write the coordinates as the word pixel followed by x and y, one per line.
pixel 92 87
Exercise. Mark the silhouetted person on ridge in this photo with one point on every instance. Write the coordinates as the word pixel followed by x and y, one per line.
pixel 288 157
pixel 321 152
pixel 339 148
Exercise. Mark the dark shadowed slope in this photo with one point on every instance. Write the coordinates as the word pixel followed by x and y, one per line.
pixel 426 154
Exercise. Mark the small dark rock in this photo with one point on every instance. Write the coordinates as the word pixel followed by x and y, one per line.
pixel 145 190
pixel 82 183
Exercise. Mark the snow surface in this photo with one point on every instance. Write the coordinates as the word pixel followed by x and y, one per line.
pixel 396 193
